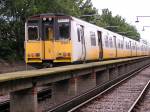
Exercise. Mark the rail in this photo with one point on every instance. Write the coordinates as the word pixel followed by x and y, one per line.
pixel 139 97
pixel 103 91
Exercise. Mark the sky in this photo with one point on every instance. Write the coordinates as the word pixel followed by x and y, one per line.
pixel 129 9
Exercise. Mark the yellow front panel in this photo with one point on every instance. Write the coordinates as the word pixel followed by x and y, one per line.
pixel 63 50
pixel 57 51
pixel 49 50
pixel 33 51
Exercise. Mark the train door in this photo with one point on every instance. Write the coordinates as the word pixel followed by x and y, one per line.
pixel 115 45
pixel 49 53
pixel 100 45
pixel 81 40
pixel 83 43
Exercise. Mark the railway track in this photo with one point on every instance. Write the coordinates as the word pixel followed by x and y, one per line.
pixel 141 96
pixel 77 102
pixel 98 102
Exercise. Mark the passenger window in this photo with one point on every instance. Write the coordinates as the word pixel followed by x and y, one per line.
pixel 110 42
pixel 126 45
pixel 118 43
pixel 106 41
pixel 93 38
pixel 78 32
pixel 122 44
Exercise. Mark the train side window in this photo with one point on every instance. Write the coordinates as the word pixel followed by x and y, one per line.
pixel 127 45
pixel 64 30
pixel 93 38
pixel 106 41
pixel 110 42
pixel 118 43
pixel 133 47
pixel 79 35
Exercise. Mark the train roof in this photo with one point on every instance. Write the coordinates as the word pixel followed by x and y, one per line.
pixel 100 28
pixel 47 15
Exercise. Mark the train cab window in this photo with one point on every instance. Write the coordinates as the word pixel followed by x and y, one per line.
pixel 63 30
pixel 33 33
pixel 49 33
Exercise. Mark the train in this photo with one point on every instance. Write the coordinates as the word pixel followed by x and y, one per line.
pixel 58 38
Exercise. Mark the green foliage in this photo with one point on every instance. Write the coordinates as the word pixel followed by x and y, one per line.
pixel 13 14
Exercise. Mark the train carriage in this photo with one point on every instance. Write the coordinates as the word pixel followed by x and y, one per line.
pixel 53 38
pixel 109 45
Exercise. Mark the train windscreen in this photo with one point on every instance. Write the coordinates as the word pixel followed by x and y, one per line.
pixel 33 33
pixel 63 29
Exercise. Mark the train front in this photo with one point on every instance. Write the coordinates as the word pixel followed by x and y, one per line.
pixel 47 39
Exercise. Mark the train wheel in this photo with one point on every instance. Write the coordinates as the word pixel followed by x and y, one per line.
pixel 47 65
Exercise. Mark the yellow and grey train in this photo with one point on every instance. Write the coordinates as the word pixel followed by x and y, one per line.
pixel 57 38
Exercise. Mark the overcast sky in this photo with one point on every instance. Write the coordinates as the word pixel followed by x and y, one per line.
pixel 129 9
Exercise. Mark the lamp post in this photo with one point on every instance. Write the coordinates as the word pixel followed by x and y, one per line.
pixel 137 18
pixel 144 28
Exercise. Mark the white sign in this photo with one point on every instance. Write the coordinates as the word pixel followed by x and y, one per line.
pixel 63 20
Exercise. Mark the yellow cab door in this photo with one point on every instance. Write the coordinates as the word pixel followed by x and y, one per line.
pixel 49 52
